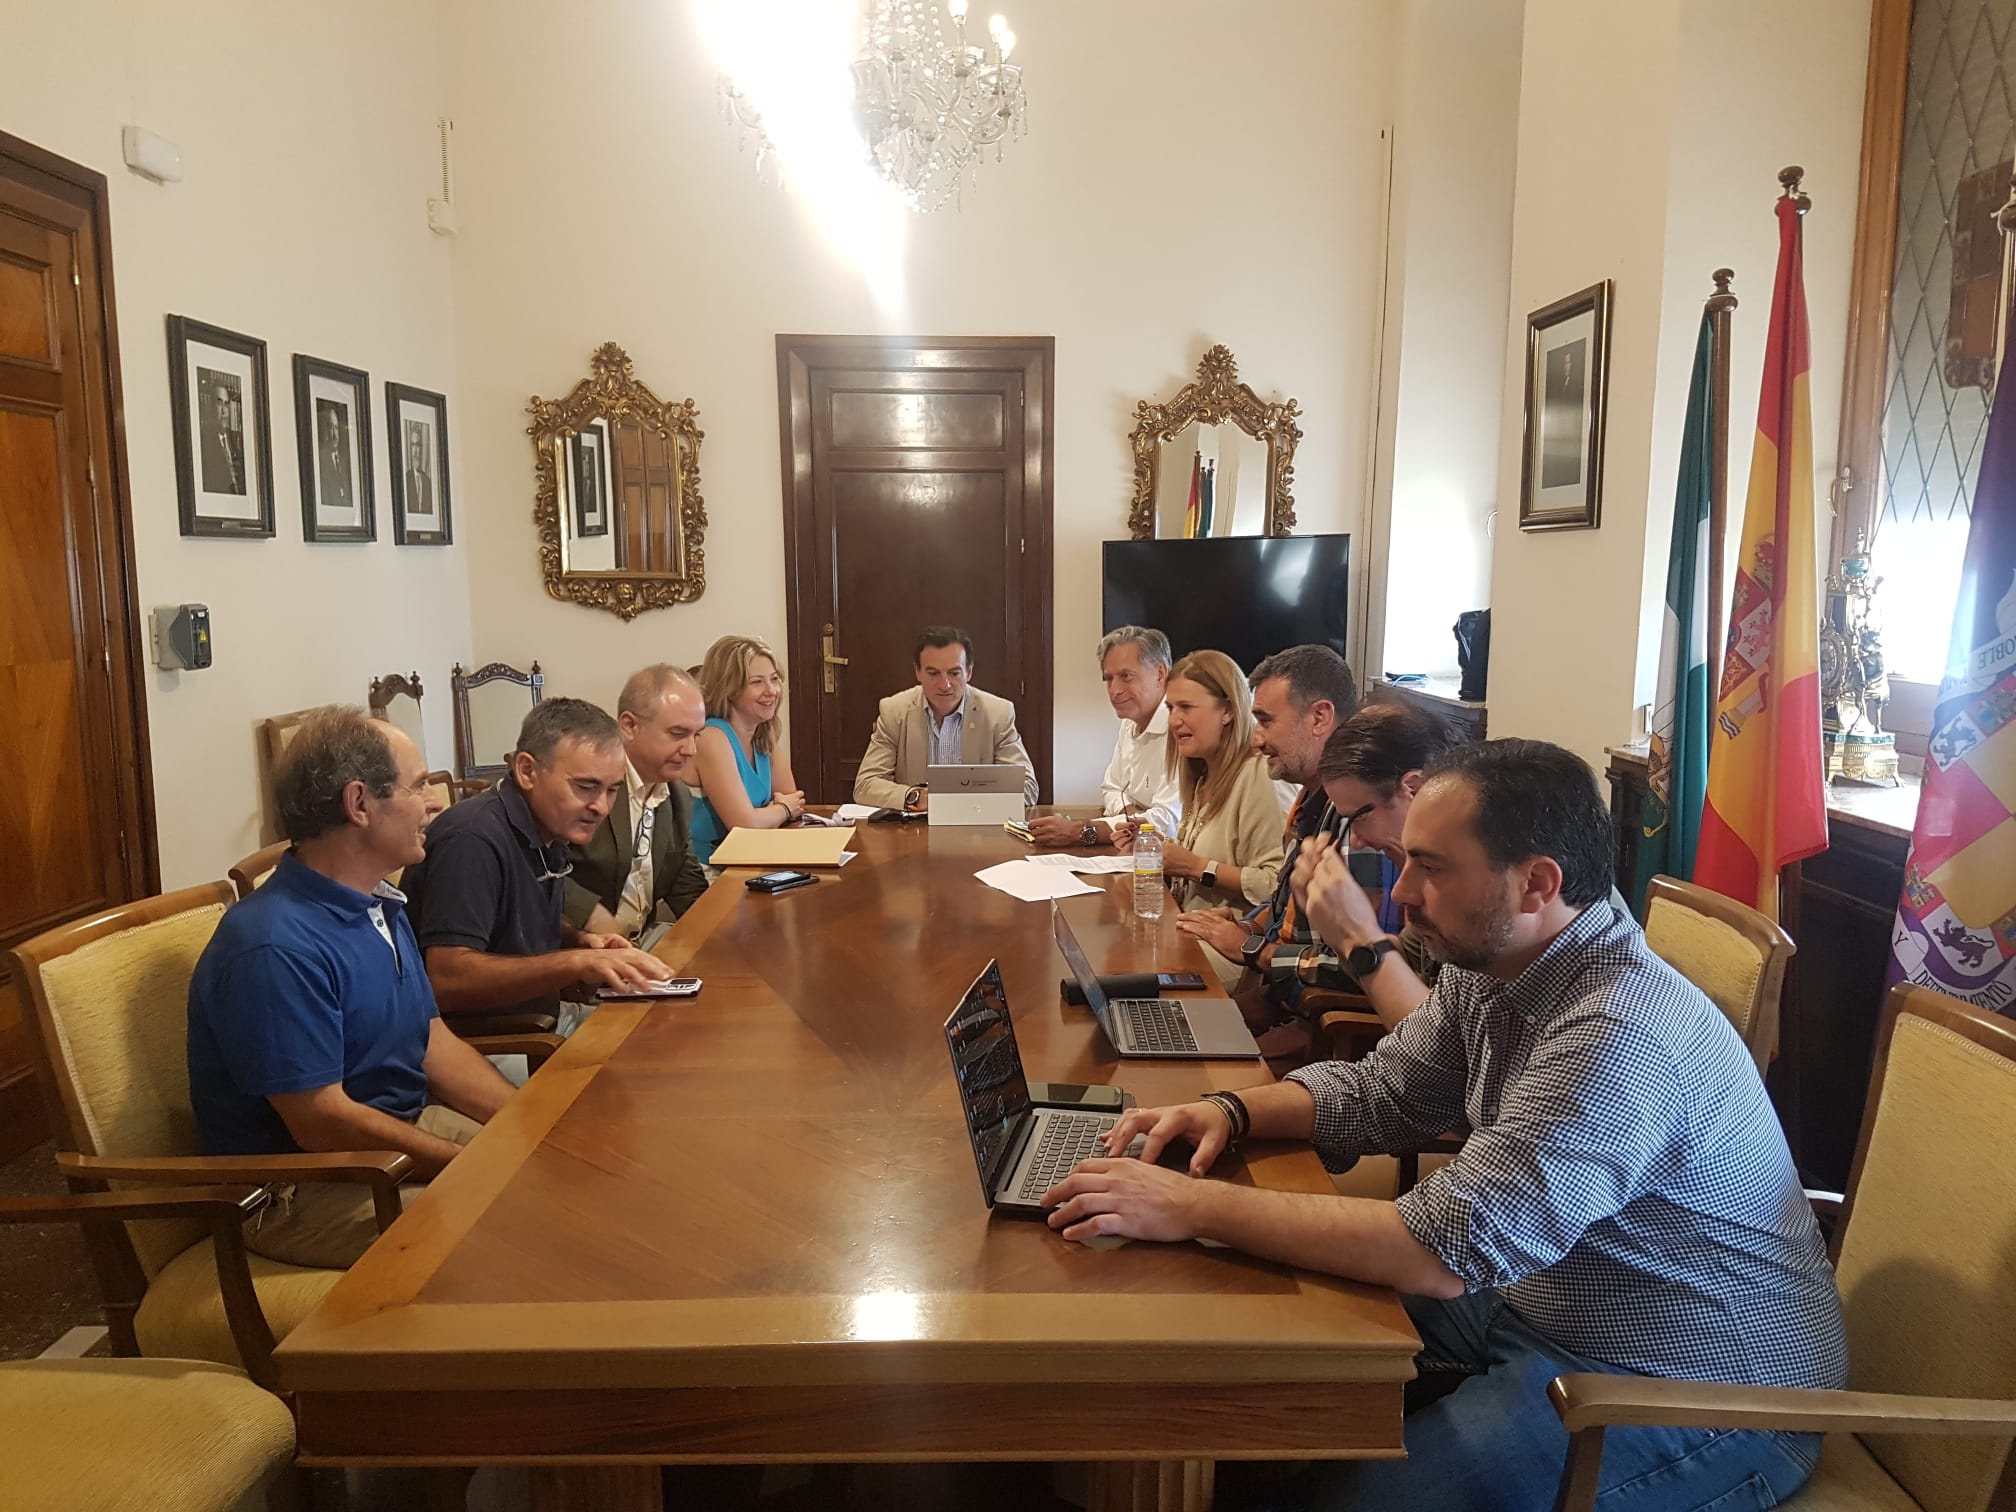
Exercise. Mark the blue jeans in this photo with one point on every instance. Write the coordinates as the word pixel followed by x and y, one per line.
pixel 1494 1443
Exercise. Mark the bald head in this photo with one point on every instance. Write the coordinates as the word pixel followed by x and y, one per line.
pixel 661 713
pixel 650 684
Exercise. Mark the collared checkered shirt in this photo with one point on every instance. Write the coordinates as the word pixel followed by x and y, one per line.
pixel 1626 1184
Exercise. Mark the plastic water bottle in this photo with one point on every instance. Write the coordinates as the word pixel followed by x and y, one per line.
pixel 1147 871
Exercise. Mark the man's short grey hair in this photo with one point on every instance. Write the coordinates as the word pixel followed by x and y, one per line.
pixel 557 721
pixel 1153 644
pixel 333 746
pixel 1313 672
pixel 646 686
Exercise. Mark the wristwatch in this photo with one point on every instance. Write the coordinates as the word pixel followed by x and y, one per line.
pixel 1364 959
pixel 1208 874
pixel 1089 835
pixel 910 798
pixel 1249 952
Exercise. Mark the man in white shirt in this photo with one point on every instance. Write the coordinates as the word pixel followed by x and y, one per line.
pixel 1140 782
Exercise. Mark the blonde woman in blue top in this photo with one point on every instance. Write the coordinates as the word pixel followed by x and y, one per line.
pixel 745 780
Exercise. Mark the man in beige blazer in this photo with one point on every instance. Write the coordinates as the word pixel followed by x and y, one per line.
pixel 944 720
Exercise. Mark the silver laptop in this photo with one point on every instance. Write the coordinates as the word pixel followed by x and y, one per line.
pixel 1157 1028
pixel 990 794
pixel 1022 1151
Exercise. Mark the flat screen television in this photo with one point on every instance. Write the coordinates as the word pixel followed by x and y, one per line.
pixel 1248 596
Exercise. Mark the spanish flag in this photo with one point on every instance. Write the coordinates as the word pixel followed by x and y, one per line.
pixel 1192 514
pixel 1767 803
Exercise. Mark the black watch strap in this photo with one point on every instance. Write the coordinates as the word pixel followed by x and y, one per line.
pixel 1364 959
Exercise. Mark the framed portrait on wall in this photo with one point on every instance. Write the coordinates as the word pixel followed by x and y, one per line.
pixel 416 422
pixel 332 433
pixel 1567 382
pixel 223 430
pixel 589 480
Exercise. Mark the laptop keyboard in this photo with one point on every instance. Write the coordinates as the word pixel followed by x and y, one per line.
pixel 1157 1025
pixel 1065 1142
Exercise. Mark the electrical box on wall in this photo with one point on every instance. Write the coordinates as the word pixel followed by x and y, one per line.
pixel 182 636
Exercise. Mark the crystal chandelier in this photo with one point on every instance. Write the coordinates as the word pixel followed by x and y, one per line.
pixel 927 102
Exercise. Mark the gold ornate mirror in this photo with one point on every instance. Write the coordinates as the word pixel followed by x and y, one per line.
pixel 620 519
pixel 1217 444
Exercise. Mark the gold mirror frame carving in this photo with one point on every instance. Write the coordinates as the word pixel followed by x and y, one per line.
pixel 1213 397
pixel 614 391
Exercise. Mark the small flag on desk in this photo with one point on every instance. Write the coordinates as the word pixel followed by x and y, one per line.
pixel 1767 798
pixel 1191 514
pixel 1956 923
pixel 1678 766
pixel 1207 516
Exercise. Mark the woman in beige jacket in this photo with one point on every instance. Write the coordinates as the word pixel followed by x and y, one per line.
pixel 1228 848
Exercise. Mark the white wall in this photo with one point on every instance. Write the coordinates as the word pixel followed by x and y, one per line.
pixel 308 138
pixel 1680 178
pixel 619 209
pixel 1455 157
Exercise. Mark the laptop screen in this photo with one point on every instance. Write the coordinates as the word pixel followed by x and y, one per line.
pixel 1088 980
pixel 988 1067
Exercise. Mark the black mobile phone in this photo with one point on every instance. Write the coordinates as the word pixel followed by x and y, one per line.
pixel 780 881
pixel 1076 1095
pixel 1179 981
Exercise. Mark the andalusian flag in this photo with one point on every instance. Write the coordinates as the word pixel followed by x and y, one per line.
pixel 1767 802
pixel 1956 924
pixel 1679 757
pixel 1190 513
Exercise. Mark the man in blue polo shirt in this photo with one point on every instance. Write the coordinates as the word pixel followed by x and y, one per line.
pixel 311 1019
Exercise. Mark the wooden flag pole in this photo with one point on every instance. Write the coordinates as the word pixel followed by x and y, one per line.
pixel 1719 306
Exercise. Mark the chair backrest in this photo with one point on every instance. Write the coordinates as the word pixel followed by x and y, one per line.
pixel 109 1000
pixel 279 732
pixel 256 868
pixel 490 704
pixel 1926 1246
pixel 395 698
pixel 1727 949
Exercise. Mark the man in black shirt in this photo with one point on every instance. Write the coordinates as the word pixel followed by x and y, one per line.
pixel 486 903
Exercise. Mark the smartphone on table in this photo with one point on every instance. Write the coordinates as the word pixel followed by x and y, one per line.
pixel 780 881
pixel 676 987
pixel 1093 1099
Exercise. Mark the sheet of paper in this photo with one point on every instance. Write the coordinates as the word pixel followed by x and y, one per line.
pixel 854 813
pixel 1092 865
pixel 1032 884
pixel 846 856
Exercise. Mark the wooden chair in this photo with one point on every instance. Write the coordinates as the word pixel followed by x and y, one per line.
pixel 109 1001
pixel 177 1435
pixel 1925 1252
pixel 254 869
pixel 486 723
pixel 1727 949
pixel 395 698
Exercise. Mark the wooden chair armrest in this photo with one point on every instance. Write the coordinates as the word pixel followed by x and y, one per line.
pixel 536 1048
pixel 231 1203
pixel 363 1167
pixel 470 1024
pixel 1592 1400
pixel 1321 1000
pixel 1345 1021
pixel 223 1208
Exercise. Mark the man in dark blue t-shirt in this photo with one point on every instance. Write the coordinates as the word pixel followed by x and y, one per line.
pixel 311 1019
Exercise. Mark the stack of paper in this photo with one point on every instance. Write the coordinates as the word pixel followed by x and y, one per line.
pixel 1033 883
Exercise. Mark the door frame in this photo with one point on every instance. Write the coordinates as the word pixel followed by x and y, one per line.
pixel 798 357
pixel 25 163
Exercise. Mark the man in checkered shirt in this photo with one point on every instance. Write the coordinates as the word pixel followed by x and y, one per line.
pixel 1625 1201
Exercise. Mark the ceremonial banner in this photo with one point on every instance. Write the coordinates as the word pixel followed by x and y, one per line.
pixel 1190 512
pixel 1767 800
pixel 1956 923
pixel 1677 775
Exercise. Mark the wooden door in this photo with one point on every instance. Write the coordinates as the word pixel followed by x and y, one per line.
pixel 916 492
pixel 76 808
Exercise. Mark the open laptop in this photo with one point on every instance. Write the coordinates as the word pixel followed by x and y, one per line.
pixel 989 794
pixel 1022 1151
pixel 1157 1028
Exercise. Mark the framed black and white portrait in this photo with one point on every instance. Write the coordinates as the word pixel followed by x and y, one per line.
pixel 588 482
pixel 223 430
pixel 1567 381
pixel 417 423
pixel 332 432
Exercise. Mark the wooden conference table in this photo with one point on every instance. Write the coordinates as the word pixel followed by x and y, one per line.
pixel 747 1227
